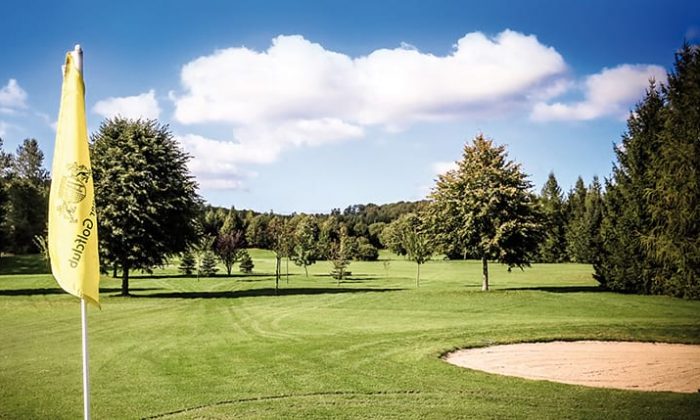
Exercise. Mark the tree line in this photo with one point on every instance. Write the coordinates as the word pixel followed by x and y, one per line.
pixel 639 228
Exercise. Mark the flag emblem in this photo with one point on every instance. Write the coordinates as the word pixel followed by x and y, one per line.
pixel 72 190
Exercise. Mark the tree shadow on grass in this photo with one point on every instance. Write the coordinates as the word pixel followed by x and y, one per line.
pixel 230 294
pixel 58 291
pixel 560 289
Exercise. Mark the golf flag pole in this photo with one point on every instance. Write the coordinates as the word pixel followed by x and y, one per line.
pixel 72 218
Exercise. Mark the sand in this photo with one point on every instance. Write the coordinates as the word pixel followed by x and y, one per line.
pixel 606 364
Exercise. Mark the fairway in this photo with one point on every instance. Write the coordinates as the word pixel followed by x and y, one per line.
pixel 367 348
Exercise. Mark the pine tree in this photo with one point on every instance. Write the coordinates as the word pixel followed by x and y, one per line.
pixel 246 263
pixel 207 267
pixel 485 207
pixel 623 263
pixel 188 264
pixel 552 249
pixel 675 199
pixel 576 236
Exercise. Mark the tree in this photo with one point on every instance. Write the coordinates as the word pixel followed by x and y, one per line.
pixel 145 198
pixel 278 234
pixel 5 171
pixel 552 249
pixel 246 263
pixel 207 266
pixel 674 240
pixel 485 207
pixel 257 232
pixel 623 264
pixel 340 254
pixel 28 197
pixel 230 240
pixel 188 264
pixel 419 247
pixel 576 236
pixel 393 234
pixel 305 250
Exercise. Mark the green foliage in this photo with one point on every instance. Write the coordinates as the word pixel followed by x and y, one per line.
pixel 145 198
pixel 485 208
pixel 675 198
pixel 27 196
pixel 230 240
pixel 42 244
pixel 305 252
pixel 623 263
pixel 552 249
pixel 340 254
pixel 419 246
pixel 257 232
pixel 207 265
pixel 246 262
pixel 188 264
pixel 364 250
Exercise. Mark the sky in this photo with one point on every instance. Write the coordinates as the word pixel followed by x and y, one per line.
pixel 308 106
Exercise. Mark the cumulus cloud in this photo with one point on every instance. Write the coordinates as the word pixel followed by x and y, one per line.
pixel 144 105
pixel 217 163
pixel 298 93
pixel 612 92
pixel 298 79
pixel 12 97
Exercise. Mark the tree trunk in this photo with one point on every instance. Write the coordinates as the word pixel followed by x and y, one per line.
pixel 125 280
pixel 114 271
pixel 418 276
pixel 277 274
pixel 485 270
pixel 287 262
pixel 306 270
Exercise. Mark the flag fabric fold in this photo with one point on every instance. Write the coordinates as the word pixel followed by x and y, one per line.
pixel 72 218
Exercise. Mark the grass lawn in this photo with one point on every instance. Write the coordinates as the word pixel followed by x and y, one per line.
pixel 368 348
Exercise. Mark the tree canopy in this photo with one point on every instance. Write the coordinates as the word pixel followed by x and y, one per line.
pixel 145 198
pixel 485 208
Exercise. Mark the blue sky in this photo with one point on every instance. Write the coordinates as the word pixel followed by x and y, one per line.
pixel 313 105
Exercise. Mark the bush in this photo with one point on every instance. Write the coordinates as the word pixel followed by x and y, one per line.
pixel 246 265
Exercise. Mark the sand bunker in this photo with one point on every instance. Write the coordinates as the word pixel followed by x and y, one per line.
pixel 606 364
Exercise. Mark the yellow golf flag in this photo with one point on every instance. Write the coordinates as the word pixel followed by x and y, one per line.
pixel 72 218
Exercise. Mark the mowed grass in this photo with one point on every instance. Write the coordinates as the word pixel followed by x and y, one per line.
pixel 367 348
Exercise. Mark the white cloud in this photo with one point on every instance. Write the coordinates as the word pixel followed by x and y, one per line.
pixel 12 97
pixel 297 93
pixel 144 106
pixel 612 92
pixel 216 163
pixel 298 79
pixel 440 168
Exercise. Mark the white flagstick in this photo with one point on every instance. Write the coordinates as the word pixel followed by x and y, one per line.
pixel 77 54
pixel 86 362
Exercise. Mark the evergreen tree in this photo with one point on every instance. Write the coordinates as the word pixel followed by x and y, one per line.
pixel 207 266
pixel 246 263
pixel 623 263
pixel 485 208
pixel 576 236
pixel 340 254
pixel 188 264
pixel 146 199
pixel 5 166
pixel 675 198
pixel 28 193
pixel 553 246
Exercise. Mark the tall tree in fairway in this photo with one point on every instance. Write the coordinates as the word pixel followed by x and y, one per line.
pixel 485 206
pixel 145 198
